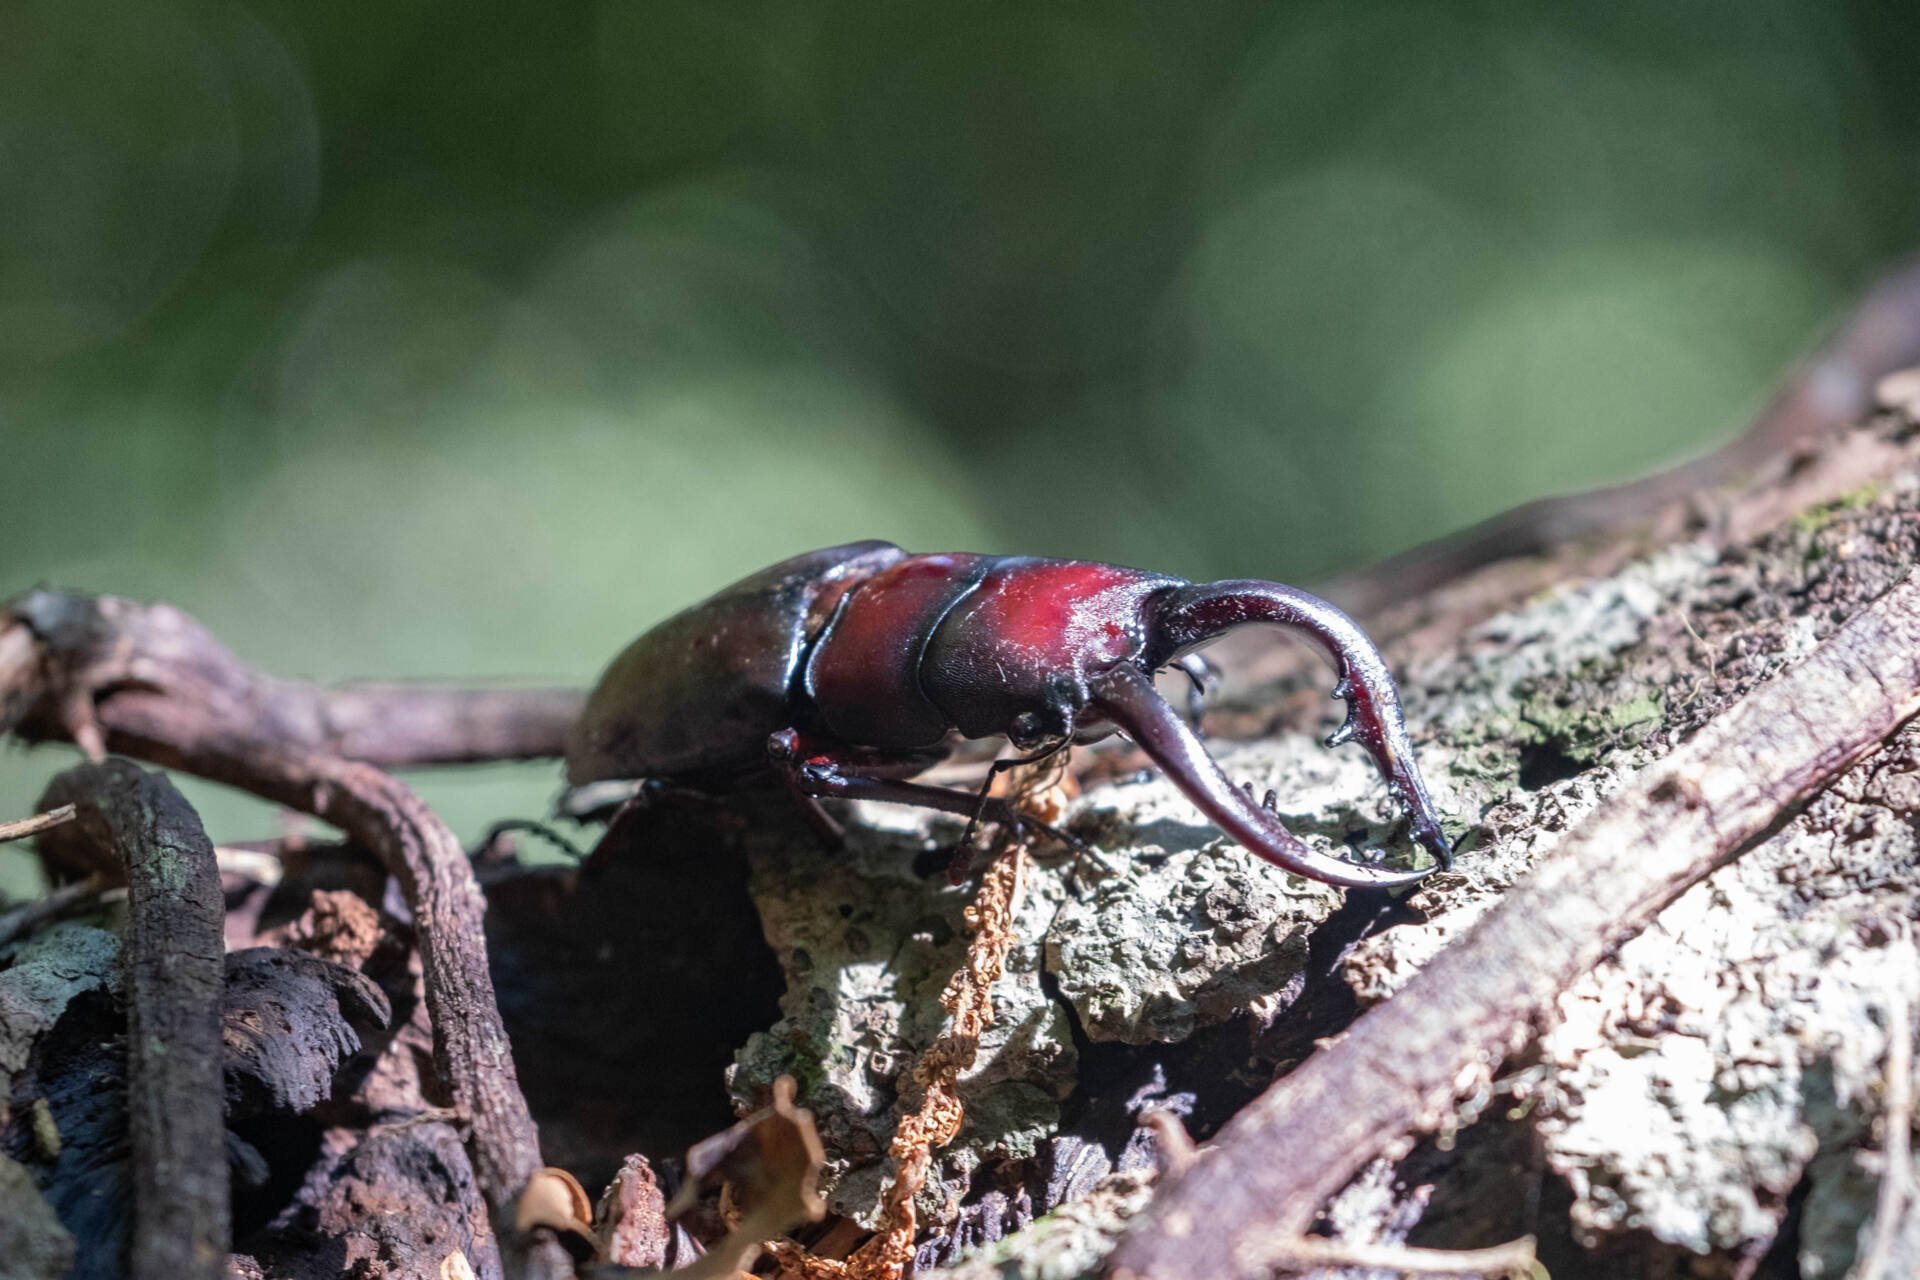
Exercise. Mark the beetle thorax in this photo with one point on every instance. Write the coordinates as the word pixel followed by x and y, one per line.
pixel 981 645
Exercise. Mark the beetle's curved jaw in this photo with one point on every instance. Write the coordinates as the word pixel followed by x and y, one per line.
pixel 1181 620
pixel 1126 696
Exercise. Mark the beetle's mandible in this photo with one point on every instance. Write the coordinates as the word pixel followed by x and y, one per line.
pixel 847 671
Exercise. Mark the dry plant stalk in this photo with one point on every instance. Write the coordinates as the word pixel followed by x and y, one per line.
pixel 1312 1253
pixel 24 827
pixel 1896 1179
pixel 968 1001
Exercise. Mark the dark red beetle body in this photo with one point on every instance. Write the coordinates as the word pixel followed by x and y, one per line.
pixel 850 669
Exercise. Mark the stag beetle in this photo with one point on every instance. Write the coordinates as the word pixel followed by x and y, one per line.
pixel 847 671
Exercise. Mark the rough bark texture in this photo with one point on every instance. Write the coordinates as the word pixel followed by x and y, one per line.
pixel 1649 1016
pixel 1667 1117
pixel 63 1058
pixel 374 1178
pixel 1400 1067
pixel 290 1020
pixel 173 945
pixel 148 681
pixel 630 1219
pixel 158 654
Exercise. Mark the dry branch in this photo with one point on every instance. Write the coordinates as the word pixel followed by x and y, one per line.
pixel 1310 1253
pixel 1797 453
pixel 152 683
pixel 174 943
pixel 24 827
pixel 98 658
pixel 1896 1179
pixel 1398 1069
pixel 1831 390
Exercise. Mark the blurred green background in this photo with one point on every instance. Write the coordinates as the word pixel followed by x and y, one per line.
pixel 420 338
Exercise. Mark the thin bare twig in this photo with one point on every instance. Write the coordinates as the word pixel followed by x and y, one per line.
pixel 65 653
pixel 1896 1179
pixel 1829 391
pixel 21 828
pixel 1706 649
pixel 1516 1257
pixel 175 1104
pixel 1398 1068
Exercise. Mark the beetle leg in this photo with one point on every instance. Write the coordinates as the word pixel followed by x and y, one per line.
pixel 994 770
pixel 1126 696
pixel 816 771
pixel 487 851
pixel 598 801
pixel 782 748
pixel 832 834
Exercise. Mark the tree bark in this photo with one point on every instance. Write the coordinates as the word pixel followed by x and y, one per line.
pixel 176 1101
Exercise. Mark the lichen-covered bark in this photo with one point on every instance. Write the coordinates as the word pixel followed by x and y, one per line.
pixel 1171 930
pixel 1715 1070
pixel 867 947
pixel 1732 1052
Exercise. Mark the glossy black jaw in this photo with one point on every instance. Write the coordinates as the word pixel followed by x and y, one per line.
pixel 1181 620
pixel 1127 696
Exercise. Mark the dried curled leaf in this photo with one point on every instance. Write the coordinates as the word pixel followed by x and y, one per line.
pixel 771 1161
pixel 554 1199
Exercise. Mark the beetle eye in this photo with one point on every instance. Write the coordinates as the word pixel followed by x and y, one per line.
pixel 1025 731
